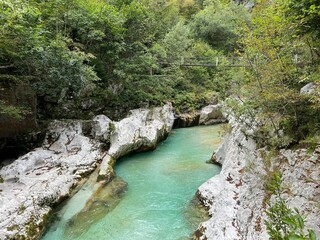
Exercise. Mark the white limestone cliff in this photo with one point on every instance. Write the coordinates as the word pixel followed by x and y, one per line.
pixel 236 198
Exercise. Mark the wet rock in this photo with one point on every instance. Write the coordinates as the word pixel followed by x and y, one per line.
pixel 106 171
pixel 104 200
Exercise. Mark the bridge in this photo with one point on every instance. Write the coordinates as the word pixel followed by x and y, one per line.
pixel 213 62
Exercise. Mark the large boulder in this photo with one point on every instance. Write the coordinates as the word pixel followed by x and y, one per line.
pixel 141 130
pixel 183 120
pixel 211 114
pixel 208 115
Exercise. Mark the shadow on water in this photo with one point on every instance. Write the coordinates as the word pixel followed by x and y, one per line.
pixel 104 200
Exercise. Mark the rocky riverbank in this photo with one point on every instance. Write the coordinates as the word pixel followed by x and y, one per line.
pixel 236 198
pixel 34 184
pixel 211 114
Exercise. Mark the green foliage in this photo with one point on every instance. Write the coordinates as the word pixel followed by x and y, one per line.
pixel 61 69
pixel 20 28
pixel 212 26
pixel 134 48
pixel 306 14
pixel 284 223
pixel 12 111
pixel 270 92
pixel 177 41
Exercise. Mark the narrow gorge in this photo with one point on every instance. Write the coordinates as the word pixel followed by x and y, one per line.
pixel 72 150
pixel 110 109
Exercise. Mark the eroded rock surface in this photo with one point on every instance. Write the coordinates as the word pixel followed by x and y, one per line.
pixel 208 115
pixel 187 120
pixel 37 181
pixel 105 199
pixel 101 127
pixel 211 114
pixel 236 197
pixel 142 129
pixel 42 178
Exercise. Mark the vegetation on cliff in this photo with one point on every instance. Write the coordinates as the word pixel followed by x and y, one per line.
pixel 87 57
pixel 282 50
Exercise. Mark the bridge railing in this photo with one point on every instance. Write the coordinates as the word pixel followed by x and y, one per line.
pixel 216 61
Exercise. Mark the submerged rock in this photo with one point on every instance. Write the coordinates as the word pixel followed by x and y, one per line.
pixel 104 200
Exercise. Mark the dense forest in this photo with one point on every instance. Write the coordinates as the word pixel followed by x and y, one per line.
pixel 87 57
pixel 79 58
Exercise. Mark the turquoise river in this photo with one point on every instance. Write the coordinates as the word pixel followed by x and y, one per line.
pixel 152 197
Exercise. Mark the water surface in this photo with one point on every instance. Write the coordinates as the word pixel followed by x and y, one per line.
pixel 157 202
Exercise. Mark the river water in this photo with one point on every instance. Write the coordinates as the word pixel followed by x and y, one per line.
pixel 153 197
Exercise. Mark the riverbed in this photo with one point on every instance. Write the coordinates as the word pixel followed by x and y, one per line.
pixel 152 197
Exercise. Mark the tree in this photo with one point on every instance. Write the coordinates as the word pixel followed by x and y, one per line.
pixel 271 90
pixel 211 25
pixel 282 222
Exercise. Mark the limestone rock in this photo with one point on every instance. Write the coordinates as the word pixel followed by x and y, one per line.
pixel 106 172
pixel 34 183
pixel 187 120
pixel 101 128
pixel 211 114
pixel 227 195
pixel 235 197
pixel 141 130
pixel 208 115
pixel 308 89
pixel 42 178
